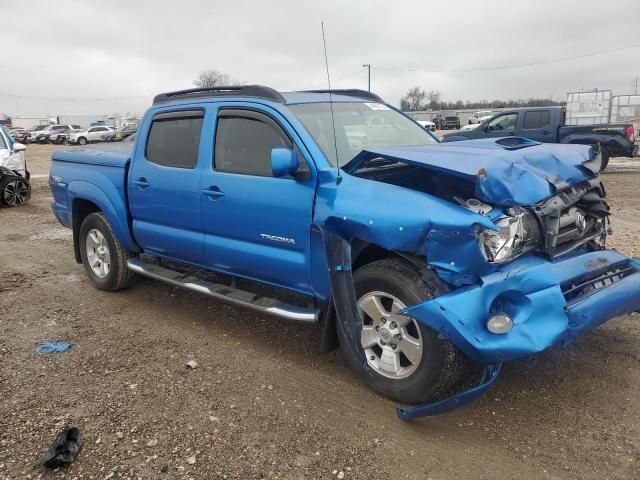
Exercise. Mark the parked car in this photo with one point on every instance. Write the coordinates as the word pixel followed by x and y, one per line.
pixel 446 120
pixel 15 188
pixel 121 133
pixel 431 126
pixel 417 255
pixel 60 136
pixel 42 135
pixel 16 130
pixel 33 133
pixel 546 124
pixel 90 135
pixel 479 117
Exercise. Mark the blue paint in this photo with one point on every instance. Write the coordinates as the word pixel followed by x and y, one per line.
pixel 53 347
pixel 509 176
pixel 171 213
pixel 489 376
pixel 531 288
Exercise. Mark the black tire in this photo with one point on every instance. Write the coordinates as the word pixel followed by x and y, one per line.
pixel 15 190
pixel 441 363
pixel 119 276
pixel 82 141
pixel 605 158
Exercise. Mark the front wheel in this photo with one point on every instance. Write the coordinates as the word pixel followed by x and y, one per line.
pixel 82 141
pixel 104 259
pixel 394 354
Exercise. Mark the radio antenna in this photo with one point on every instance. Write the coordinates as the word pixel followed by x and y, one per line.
pixel 333 122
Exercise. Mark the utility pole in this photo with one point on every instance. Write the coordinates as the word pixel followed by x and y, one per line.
pixel 368 67
pixel 636 85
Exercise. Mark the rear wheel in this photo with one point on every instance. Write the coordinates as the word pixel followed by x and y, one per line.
pixel 14 191
pixel 395 354
pixel 103 257
pixel 605 157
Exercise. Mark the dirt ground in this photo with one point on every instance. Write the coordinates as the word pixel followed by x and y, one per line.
pixel 262 403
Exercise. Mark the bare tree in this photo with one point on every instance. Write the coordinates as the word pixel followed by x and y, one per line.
pixel 434 98
pixel 214 78
pixel 413 100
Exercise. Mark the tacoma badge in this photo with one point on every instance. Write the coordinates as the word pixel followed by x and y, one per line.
pixel 276 238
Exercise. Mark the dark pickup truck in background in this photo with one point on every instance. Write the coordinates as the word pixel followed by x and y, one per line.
pixel 546 124
pixel 446 120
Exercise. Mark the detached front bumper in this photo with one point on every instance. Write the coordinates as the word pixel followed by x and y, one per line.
pixel 550 303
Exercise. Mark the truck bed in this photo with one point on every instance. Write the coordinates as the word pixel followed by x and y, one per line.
pixel 92 176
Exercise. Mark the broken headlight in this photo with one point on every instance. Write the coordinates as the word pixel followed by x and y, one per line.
pixel 518 232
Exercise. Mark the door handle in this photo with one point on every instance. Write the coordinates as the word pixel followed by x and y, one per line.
pixel 141 183
pixel 546 132
pixel 213 193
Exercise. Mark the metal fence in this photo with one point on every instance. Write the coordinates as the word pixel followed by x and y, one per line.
pixel 626 109
pixel 585 108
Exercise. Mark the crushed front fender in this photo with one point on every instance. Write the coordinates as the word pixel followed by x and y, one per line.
pixel 550 303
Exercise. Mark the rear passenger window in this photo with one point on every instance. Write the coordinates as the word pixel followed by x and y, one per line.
pixel 536 119
pixel 174 139
pixel 244 144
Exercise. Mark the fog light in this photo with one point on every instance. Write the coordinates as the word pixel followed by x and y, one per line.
pixel 499 324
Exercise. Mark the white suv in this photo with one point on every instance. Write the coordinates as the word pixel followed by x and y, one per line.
pixel 480 117
pixel 91 134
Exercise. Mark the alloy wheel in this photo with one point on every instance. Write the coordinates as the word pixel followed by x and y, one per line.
pixel 392 343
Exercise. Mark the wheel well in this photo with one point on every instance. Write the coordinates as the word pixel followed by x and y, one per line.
pixel 363 252
pixel 81 209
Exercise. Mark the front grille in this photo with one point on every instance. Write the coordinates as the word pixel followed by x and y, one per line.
pixel 573 218
pixel 589 283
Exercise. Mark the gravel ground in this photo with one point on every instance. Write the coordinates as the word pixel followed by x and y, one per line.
pixel 262 403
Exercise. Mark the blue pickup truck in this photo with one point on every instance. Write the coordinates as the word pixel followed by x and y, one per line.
pixel 334 208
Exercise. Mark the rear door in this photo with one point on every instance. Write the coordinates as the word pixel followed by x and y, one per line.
pixel 257 225
pixel 536 125
pixel 164 185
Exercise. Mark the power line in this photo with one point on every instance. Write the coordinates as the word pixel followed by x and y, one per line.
pixel 504 67
pixel 360 70
pixel 67 99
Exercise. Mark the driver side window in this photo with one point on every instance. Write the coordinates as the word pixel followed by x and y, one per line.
pixel 504 122
pixel 244 140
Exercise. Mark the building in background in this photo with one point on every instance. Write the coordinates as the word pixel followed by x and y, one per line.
pixel 31 120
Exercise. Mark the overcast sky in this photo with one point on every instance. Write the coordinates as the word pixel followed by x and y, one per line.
pixel 82 50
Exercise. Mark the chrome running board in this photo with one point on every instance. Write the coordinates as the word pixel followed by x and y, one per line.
pixel 243 298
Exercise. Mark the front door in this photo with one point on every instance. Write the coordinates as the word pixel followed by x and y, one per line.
pixel 256 225
pixel 164 186
pixel 502 125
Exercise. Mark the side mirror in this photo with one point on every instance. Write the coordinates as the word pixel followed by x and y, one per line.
pixel 18 147
pixel 284 162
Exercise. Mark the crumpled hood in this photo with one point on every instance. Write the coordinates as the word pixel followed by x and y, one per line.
pixel 505 171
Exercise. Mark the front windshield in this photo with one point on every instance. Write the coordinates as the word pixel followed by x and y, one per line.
pixel 358 126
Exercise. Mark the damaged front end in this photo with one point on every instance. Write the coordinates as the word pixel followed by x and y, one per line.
pixel 516 233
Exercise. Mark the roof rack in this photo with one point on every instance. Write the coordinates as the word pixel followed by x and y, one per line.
pixel 222 91
pixel 352 92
